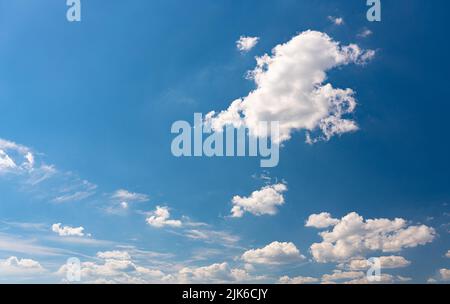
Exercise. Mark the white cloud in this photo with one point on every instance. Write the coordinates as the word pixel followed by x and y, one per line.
pixel 212 236
pixel 275 253
pixel 161 218
pixel 338 275
pixel 360 277
pixel 14 243
pixel 297 280
pixel 387 262
pixel 43 173
pixel 77 191
pixel 445 274
pixel 121 267
pixel 31 172
pixel 383 279
pixel 115 254
pixel 448 254
pixel 115 267
pixel 122 199
pixel 33 226
pixel 245 44
pixel 260 202
pixel 365 33
pixel 14 266
pixel 19 159
pixel 353 236
pixel 212 273
pixel 67 230
pixel 322 220
pixel 336 20
pixel 15 158
pixel 291 90
pixel 125 196
pixel 6 163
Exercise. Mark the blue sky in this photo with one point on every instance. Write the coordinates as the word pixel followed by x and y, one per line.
pixel 94 101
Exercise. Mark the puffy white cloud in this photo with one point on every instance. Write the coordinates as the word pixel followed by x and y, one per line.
pixel 336 20
pixel 67 230
pixel 260 202
pixel 448 254
pixel 338 275
pixel 386 262
pixel 215 273
pixel 353 236
pixel 14 266
pixel 211 273
pixel 445 274
pixel 41 174
pixel 161 217
pixel 19 159
pixel 322 220
pixel 290 89
pixel 31 171
pixel 245 44
pixel 297 280
pixel 275 253
pixel 122 267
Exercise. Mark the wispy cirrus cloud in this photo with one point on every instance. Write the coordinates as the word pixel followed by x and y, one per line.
pixel 16 267
pixel 121 199
pixel 276 253
pixel 160 218
pixel 336 20
pixel 14 244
